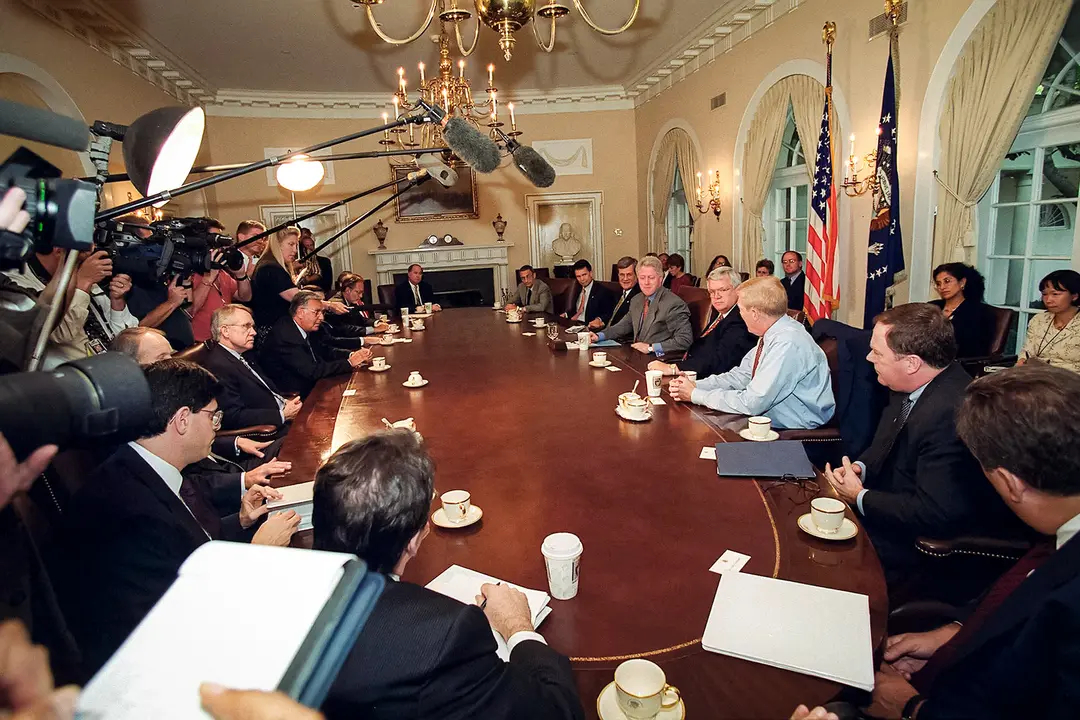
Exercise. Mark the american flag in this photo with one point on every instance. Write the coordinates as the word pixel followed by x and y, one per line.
pixel 822 290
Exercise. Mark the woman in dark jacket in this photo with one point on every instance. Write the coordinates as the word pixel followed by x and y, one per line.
pixel 961 289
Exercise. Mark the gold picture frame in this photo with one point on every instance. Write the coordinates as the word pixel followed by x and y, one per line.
pixel 432 201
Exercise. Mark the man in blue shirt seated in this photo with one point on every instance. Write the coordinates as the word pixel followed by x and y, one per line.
pixel 785 377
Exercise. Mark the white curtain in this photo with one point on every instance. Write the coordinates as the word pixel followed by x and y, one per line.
pixel 676 150
pixel 807 104
pixel 985 103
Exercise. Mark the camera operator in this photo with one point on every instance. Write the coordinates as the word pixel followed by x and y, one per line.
pixel 252 251
pixel 161 306
pixel 93 315
pixel 215 289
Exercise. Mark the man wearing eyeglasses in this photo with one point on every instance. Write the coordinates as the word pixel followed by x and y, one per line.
pixel 296 355
pixel 127 531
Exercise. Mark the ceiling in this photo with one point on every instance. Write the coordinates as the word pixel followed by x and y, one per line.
pixel 313 46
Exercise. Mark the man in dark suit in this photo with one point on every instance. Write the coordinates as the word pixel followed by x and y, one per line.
pixel 249 396
pixel 590 301
pixel 725 340
pixel 421 655
pixel 658 321
pixel 296 355
pixel 1015 655
pixel 917 478
pixel 413 292
pixel 626 270
pixel 127 531
pixel 794 280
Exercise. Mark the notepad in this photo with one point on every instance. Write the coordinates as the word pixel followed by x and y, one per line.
pixel 298 498
pixel 463 585
pixel 803 628
pixel 212 626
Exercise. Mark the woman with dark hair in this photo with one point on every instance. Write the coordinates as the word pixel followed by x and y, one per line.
pixel 718 261
pixel 1053 336
pixel 679 277
pixel 961 288
pixel 764 268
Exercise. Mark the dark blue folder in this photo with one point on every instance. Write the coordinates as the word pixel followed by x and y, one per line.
pixel 780 458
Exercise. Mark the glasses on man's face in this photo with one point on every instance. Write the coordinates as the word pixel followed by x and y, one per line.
pixel 215 417
pixel 718 293
pixel 245 326
pixel 320 311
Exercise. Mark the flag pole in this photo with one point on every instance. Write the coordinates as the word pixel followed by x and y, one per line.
pixel 828 37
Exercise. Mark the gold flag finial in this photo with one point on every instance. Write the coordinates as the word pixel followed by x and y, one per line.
pixel 828 33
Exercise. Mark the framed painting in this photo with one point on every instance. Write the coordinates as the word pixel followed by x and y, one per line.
pixel 432 201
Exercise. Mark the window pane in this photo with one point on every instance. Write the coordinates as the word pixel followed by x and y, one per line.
pixel 1039 270
pixel 1055 87
pixel 1061 172
pixel 800 200
pixel 1054 235
pixel 1012 229
pixel 800 237
pixel 1004 282
pixel 1016 177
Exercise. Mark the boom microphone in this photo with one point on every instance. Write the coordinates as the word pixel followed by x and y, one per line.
pixel 443 174
pixel 476 149
pixel 533 166
pixel 28 123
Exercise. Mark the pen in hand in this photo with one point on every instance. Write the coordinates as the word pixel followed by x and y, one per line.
pixel 484 603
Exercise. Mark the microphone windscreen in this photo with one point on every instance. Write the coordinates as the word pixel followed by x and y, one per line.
pixel 442 173
pixel 43 126
pixel 471 145
pixel 533 166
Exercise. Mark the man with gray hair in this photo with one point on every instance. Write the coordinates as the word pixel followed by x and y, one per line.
pixel 145 344
pixel 725 340
pixel 626 269
pixel 658 320
pixel 249 397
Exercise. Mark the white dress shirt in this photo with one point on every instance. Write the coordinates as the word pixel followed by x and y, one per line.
pixel 1065 532
pixel 416 294
pixel 914 398
pixel 168 474
pixel 792 385
pixel 585 293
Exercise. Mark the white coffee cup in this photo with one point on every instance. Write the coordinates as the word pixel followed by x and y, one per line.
pixel 626 397
pixel 759 426
pixel 600 358
pixel 652 382
pixel 583 339
pixel 404 314
pixel 378 363
pixel 539 322
pixel 407 424
pixel 642 691
pixel 382 317
pixel 428 307
pixel 456 504
pixel 637 409
pixel 415 378
pixel 562 555
pixel 827 514
pixel 691 375
pixel 417 325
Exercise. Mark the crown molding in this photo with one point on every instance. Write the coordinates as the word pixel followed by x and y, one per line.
pixel 108 32
pixel 735 22
pixel 271 104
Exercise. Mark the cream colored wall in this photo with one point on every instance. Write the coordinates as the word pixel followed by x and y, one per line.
pixel 615 173
pixel 858 71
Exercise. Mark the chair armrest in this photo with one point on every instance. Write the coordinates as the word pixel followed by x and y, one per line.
pixel 922 615
pixel 976 366
pixel 1002 549
pixel 267 432
pixel 821 434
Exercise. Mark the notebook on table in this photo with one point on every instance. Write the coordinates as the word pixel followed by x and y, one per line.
pixel 780 458
pixel 295 497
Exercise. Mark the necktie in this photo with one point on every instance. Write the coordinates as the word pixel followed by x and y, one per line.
pixel 897 426
pixel 644 314
pixel 528 296
pixel 416 295
pixel 999 592
pixel 307 341
pixel 618 305
pixel 580 306
pixel 712 325
pixel 277 398
pixel 757 356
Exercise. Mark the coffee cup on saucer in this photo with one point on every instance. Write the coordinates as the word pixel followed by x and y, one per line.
pixel 406 424
pixel 456 504
pixel 759 427
pixel 637 409
pixel 378 363
pixel 417 325
pixel 600 358
pixel 642 691
pixel 827 514
pixel 652 382
pixel 415 378
pixel 626 397
pixel 382 317
pixel 539 322
pixel 562 556
pixel 583 339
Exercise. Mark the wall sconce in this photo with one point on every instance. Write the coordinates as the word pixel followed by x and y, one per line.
pixel 713 203
pixel 853 186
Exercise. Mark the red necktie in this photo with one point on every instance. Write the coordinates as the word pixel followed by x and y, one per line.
pixel 998 593
pixel 580 306
pixel 713 325
pixel 757 356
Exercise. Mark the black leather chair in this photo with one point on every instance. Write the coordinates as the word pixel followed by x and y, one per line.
pixel 699 303
pixel 561 291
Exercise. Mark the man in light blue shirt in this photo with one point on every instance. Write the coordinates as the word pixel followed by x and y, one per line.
pixel 785 377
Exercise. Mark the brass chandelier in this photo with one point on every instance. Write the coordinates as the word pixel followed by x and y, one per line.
pixel 505 17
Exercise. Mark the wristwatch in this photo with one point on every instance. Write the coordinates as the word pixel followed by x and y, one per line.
pixel 911 707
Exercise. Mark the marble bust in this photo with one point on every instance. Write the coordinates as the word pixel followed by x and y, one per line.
pixel 566 245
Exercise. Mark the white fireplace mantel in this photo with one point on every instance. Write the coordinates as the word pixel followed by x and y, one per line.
pixel 448 257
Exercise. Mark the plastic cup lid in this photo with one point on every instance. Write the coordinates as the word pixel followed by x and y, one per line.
pixel 561 545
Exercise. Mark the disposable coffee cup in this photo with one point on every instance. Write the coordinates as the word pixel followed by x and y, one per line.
pixel 428 307
pixel 562 555
pixel 652 382
pixel 827 514
pixel 456 504
pixel 583 339
pixel 404 314
pixel 759 426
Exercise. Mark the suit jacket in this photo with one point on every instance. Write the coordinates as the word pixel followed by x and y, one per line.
pixel 621 307
pixel 722 349
pixel 796 291
pixel 928 483
pixel 599 305
pixel 403 296
pixel 974 327
pixel 667 323
pixel 245 401
pixel 540 301
pixel 295 364
pixel 218 482
pixel 424 656
pixel 1024 660
pixel 124 538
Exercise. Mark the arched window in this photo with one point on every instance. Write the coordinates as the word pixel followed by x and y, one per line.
pixel 680 222
pixel 1027 225
pixel 786 209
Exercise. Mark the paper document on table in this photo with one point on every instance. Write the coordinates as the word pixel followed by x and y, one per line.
pixel 708 453
pixel 203 630
pixel 463 585
pixel 764 620
pixel 576 329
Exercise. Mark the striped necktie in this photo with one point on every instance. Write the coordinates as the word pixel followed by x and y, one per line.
pixel 712 325
pixel 757 356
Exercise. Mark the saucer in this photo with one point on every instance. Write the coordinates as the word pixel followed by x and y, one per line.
pixel 607 707
pixel 599 365
pixel 440 519
pixel 745 435
pixel 513 321
pixel 847 529
pixel 619 412
pixel 408 385
pixel 384 368
pixel 412 329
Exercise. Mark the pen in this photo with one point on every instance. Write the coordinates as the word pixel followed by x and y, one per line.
pixel 484 604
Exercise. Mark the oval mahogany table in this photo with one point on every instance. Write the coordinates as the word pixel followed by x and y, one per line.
pixel 533 435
